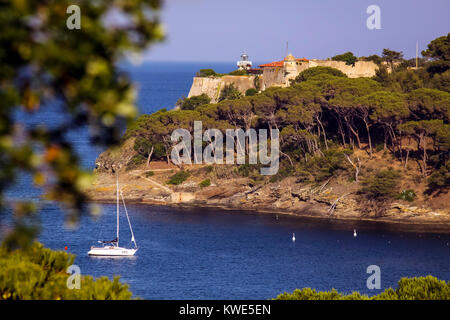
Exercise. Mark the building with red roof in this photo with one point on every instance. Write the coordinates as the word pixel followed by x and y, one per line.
pixel 279 73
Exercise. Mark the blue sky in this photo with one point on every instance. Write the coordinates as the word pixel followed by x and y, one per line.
pixel 219 30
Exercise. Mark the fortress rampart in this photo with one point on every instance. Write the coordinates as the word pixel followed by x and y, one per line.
pixel 276 74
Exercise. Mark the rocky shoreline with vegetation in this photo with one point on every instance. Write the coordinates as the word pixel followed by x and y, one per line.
pixel 331 200
pixel 374 149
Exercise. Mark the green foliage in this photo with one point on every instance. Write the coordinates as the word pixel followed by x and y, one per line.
pixel 323 114
pixel 421 288
pixel 205 183
pixel 379 147
pixel 382 76
pixel 212 73
pixel 206 73
pixel 348 57
pixel 230 92
pixel 143 146
pixel 149 174
pixel 178 178
pixel 374 58
pixel 408 195
pixel 246 170
pixel 312 294
pixel 38 273
pixel 135 161
pixel 429 103
pixel 440 179
pixel 391 56
pixel 314 71
pixel 207 169
pixel 382 185
pixel 439 51
pixel 257 83
pixel 43 63
pixel 405 81
pixel 251 171
pixel 285 170
pixel 195 101
pixel 323 167
pixel 440 81
pixel 240 72
pixel 251 92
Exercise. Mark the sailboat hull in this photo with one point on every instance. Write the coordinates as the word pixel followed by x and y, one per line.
pixel 111 251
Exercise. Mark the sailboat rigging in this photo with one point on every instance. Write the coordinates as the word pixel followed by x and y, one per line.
pixel 112 248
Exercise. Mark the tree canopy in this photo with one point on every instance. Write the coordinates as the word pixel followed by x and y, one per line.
pixel 348 57
pixel 324 113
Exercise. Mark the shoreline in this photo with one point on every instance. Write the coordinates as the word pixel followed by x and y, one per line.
pixel 392 224
pixel 333 202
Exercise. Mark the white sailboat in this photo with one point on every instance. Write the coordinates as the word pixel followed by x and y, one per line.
pixel 112 248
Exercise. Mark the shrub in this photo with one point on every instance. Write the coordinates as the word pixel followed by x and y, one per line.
pixel 312 72
pixel 422 288
pixel 195 101
pixel 208 169
pixel 283 172
pixel 323 167
pixel 246 169
pixel 374 58
pixel 238 73
pixel 144 147
pixel 382 185
pixel 348 57
pixel 440 179
pixel 205 183
pixel 135 161
pixel 408 195
pixel 149 174
pixel 379 147
pixel 178 178
pixel 206 73
pixel 257 83
pixel 38 273
pixel 251 92
pixel 230 92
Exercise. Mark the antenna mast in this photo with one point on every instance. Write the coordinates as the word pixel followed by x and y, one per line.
pixel 417 54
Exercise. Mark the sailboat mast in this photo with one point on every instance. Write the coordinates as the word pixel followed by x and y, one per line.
pixel 117 186
pixel 129 222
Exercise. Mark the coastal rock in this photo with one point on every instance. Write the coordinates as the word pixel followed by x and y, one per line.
pixel 216 192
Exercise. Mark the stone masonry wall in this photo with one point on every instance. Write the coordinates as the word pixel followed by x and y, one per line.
pixel 361 68
pixel 275 77
pixel 212 86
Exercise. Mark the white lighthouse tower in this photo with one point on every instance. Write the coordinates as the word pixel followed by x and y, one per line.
pixel 244 63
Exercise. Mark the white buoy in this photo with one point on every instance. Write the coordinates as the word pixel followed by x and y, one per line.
pixel 354 233
pixel 293 237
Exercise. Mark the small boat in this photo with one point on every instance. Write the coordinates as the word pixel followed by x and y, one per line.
pixel 354 233
pixel 293 237
pixel 112 248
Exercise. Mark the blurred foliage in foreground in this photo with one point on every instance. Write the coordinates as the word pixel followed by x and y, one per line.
pixel 44 65
pixel 39 273
pixel 421 288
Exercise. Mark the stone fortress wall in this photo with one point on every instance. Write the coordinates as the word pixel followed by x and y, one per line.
pixel 278 75
pixel 212 86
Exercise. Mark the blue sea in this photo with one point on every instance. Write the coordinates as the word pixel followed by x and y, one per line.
pixel 198 253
